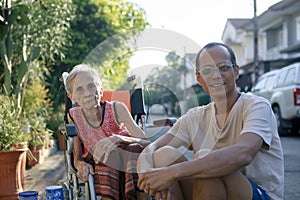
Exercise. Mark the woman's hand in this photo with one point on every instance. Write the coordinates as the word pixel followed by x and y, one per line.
pixel 83 170
pixel 104 147
pixel 129 140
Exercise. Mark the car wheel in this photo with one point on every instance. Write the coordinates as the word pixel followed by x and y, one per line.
pixel 281 130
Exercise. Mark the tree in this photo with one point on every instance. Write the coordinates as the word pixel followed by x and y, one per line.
pixel 103 27
pixel 17 17
pixel 167 91
pixel 33 38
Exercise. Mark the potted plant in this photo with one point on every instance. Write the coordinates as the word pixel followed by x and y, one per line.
pixel 36 144
pixel 36 148
pixel 36 108
pixel 12 160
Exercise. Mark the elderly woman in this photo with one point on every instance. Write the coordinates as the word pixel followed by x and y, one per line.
pixel 111 139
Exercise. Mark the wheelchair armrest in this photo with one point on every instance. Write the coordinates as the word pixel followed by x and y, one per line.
pixel 69 133
pixel 71 130
pixel 165 122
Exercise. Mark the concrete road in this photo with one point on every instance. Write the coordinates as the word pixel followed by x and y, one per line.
pixel 53 169
pixel 291 150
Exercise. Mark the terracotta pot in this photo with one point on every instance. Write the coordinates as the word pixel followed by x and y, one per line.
pixel 36 147
pixel 61 131
pixel 12 169
pixel 36 157
pixel 61 141
pixel 21 145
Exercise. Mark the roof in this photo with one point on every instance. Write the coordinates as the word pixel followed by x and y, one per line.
pixel 239 23
pixel 285 4
pixel 273 12
pixel 278 10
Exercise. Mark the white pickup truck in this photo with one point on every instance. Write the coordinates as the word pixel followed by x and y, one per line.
pixel 282 88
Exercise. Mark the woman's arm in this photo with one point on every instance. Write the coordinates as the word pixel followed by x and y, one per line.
pixel 123 116
pixel 83 168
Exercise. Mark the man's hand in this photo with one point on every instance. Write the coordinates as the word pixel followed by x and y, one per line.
pixel 155 180
pixel 83 170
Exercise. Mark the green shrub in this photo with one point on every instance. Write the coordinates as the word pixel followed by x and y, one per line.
pixel 55 120
pixel 37 108
pixel 11 124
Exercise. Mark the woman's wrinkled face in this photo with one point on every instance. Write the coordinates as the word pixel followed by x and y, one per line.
pixel 85 90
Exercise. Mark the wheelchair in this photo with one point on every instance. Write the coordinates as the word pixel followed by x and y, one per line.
pixel 74 188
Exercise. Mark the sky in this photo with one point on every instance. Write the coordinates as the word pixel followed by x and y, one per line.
pixel 201 21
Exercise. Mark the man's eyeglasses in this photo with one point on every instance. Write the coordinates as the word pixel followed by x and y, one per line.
pixel 207 71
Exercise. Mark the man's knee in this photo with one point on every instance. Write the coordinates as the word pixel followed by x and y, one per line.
pixel 237 185
pixel 167 155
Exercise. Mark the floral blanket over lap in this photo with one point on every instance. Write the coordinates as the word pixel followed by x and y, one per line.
pixel 109 182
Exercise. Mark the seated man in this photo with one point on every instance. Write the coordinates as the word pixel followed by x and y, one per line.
pixel 237 150
pixel 112 140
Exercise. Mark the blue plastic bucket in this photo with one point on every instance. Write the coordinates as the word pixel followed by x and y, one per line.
pixel 54 192
pixel 28 195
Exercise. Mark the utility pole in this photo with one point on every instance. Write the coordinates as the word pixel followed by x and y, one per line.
pixel 255 34
pixel 184 83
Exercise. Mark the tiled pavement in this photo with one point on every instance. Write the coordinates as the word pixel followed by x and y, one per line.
pixel 48 173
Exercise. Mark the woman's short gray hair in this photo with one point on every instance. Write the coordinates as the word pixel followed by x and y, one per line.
pixel 81 68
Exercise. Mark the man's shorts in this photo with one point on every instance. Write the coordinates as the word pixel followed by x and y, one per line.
pixel 258 193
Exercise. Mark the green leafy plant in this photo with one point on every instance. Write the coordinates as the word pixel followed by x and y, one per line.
pixel 55 120
pixel 11 124
pixel 37 141
pixel 32 40
pixel 37 108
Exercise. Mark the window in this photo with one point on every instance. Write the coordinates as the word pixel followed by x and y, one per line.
pixel 290 77
pixel 281 78
pixel 260 84
pixel 274 37
pixel 269 82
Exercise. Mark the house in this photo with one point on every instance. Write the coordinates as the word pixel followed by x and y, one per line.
pixel 278 37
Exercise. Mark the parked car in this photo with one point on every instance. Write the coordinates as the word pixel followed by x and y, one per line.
pixel 282 88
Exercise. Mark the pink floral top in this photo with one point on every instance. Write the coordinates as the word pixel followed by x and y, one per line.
pixel 90 135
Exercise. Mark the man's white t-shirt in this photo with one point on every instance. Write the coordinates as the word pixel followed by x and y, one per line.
pixel 199 128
